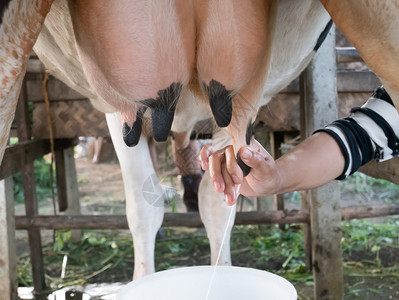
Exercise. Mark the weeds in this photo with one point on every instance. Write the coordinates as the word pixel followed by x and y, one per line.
pixel 107 256
pixel 287 243
pixel 363 235
pixel 94 254
pixel 368 188
pixel 42 179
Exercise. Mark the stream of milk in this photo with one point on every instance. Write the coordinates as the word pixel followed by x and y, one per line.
pixel 232 209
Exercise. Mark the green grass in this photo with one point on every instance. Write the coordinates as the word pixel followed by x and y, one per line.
pixel 107 256
pixel 96 253
pixel 362 188
pixel 42 179
pixel 367 187
pixel 363 235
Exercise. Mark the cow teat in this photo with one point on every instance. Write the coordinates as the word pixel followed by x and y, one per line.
pixel 163 110
pixel 131 135
pixel 248 135
pixel 220 102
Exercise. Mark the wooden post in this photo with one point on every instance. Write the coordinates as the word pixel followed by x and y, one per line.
pixel 8 260
pixel 305 195
pixel 72 189
pixel 320 99
pixel 67 186
pixel 31 205
pixel 61 179
pixel 276 139
pixel 264 203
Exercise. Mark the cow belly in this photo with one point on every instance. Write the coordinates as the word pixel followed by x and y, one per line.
pixel 130 50
pixel 298 26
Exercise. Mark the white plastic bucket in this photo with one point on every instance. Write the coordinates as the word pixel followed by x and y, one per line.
pixel 230 283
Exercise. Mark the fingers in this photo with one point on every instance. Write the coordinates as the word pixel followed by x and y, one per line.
pixel 254 157
pixel 232 167
pixel 204 155
pixel 225 173
pixel 215 170
pixel 256 146
pixel 230 187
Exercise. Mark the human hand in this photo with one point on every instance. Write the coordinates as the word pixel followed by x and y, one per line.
pixel 227 176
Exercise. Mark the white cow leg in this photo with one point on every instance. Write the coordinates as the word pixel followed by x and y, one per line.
pixel 214 211
pixel 144 198
pixel 215 214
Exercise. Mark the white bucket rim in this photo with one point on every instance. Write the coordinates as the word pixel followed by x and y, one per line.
pixel 182 270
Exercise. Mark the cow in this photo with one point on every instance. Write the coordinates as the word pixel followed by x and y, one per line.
pixel 176 62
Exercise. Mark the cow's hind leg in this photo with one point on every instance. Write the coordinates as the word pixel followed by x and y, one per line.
pixel 20 24
pixel 372 27
pixel 186 158
pixel 144 197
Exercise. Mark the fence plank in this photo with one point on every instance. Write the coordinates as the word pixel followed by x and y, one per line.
pixel 72 189
pixel 29 185
pixel 194 220
pixel 17 156
pixel 8 259
pixel 388 170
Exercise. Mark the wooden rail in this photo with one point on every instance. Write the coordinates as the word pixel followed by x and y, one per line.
pixel 194 220
pixel 170 220
pixel 388 170
pixel 347 54
pixel 17 156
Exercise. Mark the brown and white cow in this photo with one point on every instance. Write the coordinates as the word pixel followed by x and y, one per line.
pixel 176 62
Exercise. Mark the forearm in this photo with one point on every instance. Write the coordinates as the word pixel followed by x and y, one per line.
pixel 341 148
pixel 313 163
pixel 334 152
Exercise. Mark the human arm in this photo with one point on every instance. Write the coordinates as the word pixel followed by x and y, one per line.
pixel 334 152
pixel 313 163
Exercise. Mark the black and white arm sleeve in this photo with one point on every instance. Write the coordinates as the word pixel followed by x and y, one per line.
pixel 370 132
